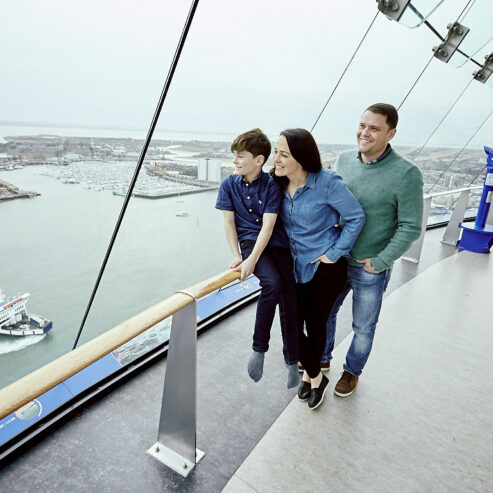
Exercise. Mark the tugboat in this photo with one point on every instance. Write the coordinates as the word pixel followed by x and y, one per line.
pixel 15 321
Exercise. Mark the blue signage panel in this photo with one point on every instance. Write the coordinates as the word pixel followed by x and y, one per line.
pixel 33 411
pixel 219 299
pixel 92 374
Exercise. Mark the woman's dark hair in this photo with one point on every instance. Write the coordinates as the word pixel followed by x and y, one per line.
pixel 303 148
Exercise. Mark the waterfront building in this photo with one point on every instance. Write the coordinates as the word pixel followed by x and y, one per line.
pixel 209 170
pixel 214 170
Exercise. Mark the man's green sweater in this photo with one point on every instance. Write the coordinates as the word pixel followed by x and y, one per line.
pixel 391 194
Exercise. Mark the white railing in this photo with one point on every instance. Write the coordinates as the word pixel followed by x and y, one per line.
pixel 452 232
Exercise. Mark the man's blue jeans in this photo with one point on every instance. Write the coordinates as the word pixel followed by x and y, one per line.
pixel 368 290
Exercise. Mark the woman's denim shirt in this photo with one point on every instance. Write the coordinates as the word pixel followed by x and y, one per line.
pixel 311 220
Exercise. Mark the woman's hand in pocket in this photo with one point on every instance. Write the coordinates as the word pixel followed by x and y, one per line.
pixel 323 258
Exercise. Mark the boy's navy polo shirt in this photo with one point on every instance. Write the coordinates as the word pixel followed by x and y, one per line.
pixel 249 202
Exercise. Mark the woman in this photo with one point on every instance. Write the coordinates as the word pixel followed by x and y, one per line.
pixel 314 200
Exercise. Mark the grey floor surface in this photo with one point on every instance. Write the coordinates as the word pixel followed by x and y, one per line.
pixel 421 417
pixel 103 447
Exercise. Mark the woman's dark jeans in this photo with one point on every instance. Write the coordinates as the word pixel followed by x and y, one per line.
pixel 315 301
pixel 274 269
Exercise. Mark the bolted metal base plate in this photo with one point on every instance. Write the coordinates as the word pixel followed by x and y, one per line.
pixel 173 460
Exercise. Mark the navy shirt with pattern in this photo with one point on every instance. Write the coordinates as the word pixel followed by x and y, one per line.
pixel 387 152
pixel 249 202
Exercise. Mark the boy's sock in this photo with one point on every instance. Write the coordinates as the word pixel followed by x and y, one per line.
pixel 293 375
pixel 256 365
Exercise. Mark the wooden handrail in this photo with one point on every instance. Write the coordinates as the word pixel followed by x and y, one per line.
pixel 27 388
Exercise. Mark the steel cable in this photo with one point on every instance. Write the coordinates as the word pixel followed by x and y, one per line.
pixel 470 184
pixel 460 152
pixel 443 119
pixel 147 141
pixel 415 82
pixel 469 4
pixel 429 26
pixel 344 71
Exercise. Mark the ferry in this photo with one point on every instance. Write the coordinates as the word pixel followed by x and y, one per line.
pixel 15 321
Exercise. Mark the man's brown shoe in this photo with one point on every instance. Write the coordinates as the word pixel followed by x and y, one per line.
pixel 346 384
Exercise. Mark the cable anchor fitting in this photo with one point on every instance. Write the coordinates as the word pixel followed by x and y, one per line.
pixel 393 9
pixel 456 34
pixel 484 73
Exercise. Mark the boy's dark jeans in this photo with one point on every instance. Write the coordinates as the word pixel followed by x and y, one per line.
pixel 274 270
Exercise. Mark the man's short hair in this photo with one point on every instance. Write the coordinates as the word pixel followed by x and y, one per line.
pixel 388 111
pixel 253 141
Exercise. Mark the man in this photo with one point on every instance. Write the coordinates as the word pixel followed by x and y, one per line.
pixel 390 190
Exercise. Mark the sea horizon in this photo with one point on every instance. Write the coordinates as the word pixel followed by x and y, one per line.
pixel 15 129
pixel 9 128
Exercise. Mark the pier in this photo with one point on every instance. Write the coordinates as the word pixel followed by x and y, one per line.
pixel 11 192
pixel 163 195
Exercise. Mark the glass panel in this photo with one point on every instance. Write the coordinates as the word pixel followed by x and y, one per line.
pixel 477 20
pixel 442 207
pixel 418 11
pixel 489 82
pixel 82 87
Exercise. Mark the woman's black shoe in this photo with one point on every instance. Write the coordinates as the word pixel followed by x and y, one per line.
pixel 304 390
pixel 317 395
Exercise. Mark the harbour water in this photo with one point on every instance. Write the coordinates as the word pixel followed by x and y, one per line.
pixel 52 246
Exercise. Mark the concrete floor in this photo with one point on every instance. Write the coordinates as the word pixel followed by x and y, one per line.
pixel 102 448
pixel 420 418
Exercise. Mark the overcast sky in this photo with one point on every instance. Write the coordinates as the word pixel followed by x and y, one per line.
pixel 246 63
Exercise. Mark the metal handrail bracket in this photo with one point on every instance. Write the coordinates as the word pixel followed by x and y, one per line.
pixel 414 252
pixel 452 233
pixel 176 443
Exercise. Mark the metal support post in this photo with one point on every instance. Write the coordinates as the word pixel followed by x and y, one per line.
pixel 480 237
pixel 452 233
pixel 176 442
pixel 414 252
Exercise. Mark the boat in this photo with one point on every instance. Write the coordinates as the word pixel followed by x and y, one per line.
pixel 182 213
pixel 15 321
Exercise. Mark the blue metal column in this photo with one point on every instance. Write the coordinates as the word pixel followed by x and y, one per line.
pixel 480 237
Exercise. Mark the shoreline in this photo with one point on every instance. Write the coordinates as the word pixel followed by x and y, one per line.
pixel 11 192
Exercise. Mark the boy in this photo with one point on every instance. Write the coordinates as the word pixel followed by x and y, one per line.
pixel 250 200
